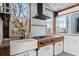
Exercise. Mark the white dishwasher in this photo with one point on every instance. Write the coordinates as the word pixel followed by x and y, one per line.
pixel 46 50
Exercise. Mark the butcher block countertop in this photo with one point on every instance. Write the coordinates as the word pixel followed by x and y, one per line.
pixel 5 44
pixel 5 48
pixel 58 38
pixel 49 40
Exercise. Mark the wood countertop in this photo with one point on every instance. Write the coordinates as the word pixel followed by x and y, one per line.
pixel 5 44
pixel 5 48
pixel 49 40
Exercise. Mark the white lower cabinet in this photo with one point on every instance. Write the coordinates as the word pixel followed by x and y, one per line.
pixel 58 48
pixel 46 50
pixel 71 45
pixel 29 53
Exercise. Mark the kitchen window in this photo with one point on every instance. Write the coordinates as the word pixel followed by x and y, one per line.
pixel 19 19
pixel 5 7
pixel 61 24
pixel 49 22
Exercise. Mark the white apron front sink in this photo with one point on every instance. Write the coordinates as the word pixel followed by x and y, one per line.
pixel 19 46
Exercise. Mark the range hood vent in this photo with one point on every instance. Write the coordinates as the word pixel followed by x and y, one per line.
pixel 40 14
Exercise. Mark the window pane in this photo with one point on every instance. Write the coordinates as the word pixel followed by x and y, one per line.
pixel 61 24
pixel 19 9
pixel 49 22
pixel 1 4
pixel 19 19
pixel 7 4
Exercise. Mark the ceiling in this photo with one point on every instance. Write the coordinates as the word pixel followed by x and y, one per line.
pixel 60 6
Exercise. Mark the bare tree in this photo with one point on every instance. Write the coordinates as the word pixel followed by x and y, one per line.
pixel 18 10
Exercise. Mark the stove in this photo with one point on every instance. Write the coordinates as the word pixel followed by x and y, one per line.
pixel 41 37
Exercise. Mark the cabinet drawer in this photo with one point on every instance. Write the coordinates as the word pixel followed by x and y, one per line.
pixel 46 51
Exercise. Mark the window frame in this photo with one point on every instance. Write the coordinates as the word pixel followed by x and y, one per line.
pixel 4 8
pixel 49 22
pixel 16 17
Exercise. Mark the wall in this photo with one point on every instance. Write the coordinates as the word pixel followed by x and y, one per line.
pixel 1 31
pixel 71 18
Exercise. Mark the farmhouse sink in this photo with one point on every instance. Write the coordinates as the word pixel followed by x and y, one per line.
pixel 19 46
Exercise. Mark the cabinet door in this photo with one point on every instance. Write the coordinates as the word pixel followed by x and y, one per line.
pixel 50 50
pixel 76 42
pixel 29 53
pixel 58 47
pixel 72 45
pixel 67 44
pixel 75 45
pixel 46 51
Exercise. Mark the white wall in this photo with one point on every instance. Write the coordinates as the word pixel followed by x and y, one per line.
pixel 1 31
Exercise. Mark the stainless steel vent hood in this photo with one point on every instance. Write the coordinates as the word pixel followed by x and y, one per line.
pixel 40 14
